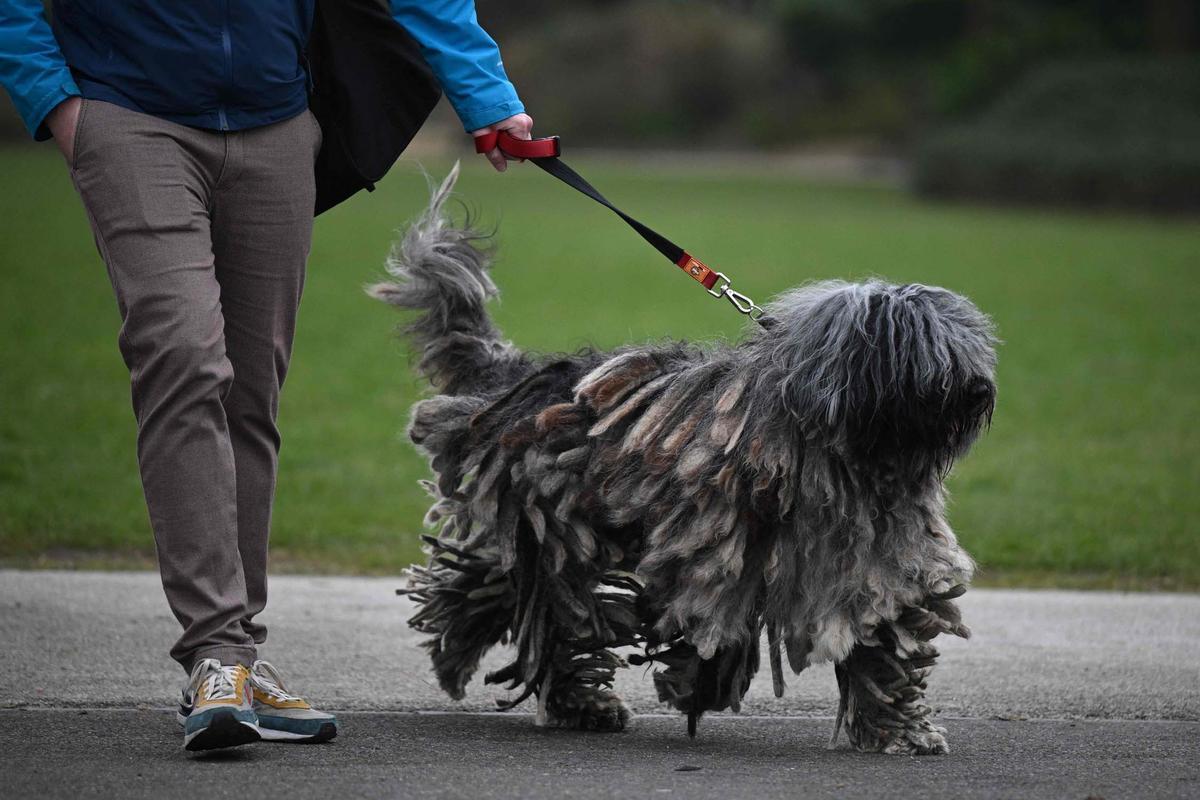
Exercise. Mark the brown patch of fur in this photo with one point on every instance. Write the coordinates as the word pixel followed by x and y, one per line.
pixel 612 388
pixel 560 416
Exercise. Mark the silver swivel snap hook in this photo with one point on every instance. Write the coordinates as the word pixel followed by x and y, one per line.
pixel 740 301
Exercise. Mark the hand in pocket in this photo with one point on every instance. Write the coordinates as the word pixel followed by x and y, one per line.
pixel 62 121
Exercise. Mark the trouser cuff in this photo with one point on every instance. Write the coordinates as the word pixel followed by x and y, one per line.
pixel 227 654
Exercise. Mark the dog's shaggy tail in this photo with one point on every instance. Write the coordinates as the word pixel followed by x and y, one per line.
pixel 441 270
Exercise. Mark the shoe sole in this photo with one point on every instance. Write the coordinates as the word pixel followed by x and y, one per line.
pixel 224 730
pixel 326 732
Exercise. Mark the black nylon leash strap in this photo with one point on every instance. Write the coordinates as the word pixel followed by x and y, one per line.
pixel 576 181
pixel 544 153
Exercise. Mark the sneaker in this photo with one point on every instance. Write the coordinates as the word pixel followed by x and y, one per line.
pixel 216 709
pixel 285 717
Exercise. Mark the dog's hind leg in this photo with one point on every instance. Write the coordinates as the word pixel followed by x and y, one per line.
pixel 882 686
pixel 464 602
pixel 577 692
pixel 568 623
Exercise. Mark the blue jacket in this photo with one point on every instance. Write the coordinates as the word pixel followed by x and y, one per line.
pixel 220 64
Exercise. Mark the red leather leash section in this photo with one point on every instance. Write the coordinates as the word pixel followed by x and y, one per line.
pixel 546 147
pixel 704 274
pixel 545 154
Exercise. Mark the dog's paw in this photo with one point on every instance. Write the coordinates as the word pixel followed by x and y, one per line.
pixel 923 739
pixel 919 738
pixel 930 742
pixel 605 715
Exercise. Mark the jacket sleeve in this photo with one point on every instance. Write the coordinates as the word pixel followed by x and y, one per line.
pixel 32 68
pixel 463 56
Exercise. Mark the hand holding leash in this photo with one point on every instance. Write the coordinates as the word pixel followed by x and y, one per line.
pixel 516 128
pixel 517 147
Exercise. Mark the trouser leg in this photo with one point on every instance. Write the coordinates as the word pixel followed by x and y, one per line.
pixel 262 217
pixel 146 185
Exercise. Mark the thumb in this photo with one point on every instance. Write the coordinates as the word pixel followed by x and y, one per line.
pixel 497 158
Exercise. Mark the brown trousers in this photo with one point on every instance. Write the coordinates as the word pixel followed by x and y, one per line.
pixel 205 236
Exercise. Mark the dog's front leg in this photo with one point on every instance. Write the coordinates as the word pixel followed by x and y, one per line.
pixel 882 686
pixel 883 701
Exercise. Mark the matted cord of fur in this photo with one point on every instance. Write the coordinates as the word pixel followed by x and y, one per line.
pixel 684 499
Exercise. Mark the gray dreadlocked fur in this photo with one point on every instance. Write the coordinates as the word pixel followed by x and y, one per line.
pixel 685 500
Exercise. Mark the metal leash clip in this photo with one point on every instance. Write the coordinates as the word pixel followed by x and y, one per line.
pixel 740 301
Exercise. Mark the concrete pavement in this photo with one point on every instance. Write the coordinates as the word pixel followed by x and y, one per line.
pixel 92 639
pixel 131 754
pixel 1058 694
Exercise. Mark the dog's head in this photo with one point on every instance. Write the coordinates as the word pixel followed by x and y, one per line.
pixel 899 378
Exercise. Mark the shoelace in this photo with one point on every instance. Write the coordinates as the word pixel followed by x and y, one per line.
pixel 220 683
pixel 267 678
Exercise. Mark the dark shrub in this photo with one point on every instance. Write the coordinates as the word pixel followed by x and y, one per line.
pixel 655 73
pixel 1101 134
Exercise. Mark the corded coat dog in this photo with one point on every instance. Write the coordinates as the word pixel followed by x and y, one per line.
pixel 685 499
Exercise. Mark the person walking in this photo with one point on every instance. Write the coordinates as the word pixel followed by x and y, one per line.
pixel 186 130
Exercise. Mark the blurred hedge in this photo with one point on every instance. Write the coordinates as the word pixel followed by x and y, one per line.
pixel 655 73
pixel 1111 133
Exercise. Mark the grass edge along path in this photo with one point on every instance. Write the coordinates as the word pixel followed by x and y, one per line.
pixel 1087 478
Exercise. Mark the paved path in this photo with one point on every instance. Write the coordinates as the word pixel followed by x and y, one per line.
pixel 1039 703
pixel 130 754
pixel 100 640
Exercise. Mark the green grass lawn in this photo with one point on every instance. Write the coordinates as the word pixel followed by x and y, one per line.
pixel 1090 475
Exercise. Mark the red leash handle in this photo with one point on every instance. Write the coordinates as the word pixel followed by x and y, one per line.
pixel 511 146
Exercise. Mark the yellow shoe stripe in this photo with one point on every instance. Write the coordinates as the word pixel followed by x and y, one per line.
pixel 275 702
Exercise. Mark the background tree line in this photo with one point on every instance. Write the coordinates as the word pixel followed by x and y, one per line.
pixel 1093 101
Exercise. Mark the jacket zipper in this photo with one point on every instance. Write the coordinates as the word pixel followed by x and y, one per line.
pixel 227 46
